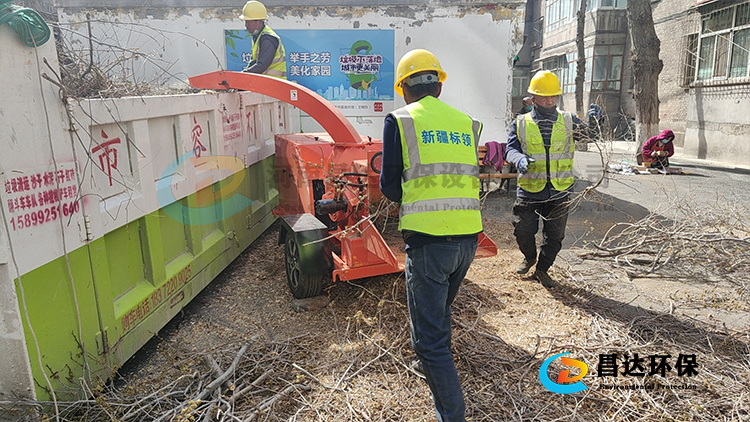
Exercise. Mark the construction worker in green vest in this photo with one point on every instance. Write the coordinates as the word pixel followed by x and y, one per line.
pixel 541 145
pixel 430 166
pixel 267 56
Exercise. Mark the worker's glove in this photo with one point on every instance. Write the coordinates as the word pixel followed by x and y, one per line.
pixel 523 164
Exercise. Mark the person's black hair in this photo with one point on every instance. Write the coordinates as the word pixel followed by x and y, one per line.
pixel 420 91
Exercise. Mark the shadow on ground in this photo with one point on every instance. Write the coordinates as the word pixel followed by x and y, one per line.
pixel 657 328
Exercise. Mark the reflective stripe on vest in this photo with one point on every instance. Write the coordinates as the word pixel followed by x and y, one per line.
pixel 277 67
pixel 559 157
pixel 440 181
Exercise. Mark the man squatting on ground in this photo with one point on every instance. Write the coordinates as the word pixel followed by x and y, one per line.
pixel 267 56
pixel 430 167
pixel 541 145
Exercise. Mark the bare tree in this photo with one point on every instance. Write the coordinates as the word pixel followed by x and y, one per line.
pixel 581 64
pixel 646 69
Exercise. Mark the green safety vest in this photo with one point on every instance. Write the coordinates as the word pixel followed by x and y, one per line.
pixel 277 67
pixel 440 181
pixel 560 156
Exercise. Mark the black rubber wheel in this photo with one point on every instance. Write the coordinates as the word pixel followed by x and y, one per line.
pixel 376 162
pixel 301 285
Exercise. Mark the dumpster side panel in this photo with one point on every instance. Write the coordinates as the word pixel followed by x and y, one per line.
pixel 160 195
pixel 38 180
pixel 158 229
pixel 116 213
pixel 55 307
pixel 203 175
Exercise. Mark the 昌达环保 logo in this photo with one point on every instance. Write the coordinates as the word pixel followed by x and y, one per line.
pixel 565 384
pixel 612 366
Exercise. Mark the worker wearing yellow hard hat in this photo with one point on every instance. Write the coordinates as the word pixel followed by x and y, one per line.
pixel 267 56
pixel 545 84
pixel 430 167
pixel 417 61
pixel 541 145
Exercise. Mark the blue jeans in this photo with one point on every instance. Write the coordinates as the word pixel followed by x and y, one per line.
pixel 433 274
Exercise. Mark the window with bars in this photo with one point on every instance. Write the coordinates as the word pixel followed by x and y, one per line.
pixel 689 46
pixel 723 45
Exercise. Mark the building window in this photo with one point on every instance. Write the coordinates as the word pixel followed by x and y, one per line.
pixel 569 75
pixel 603 68
pixel 560 12
pixel 738 64
pixel 606 67
pixel 606 4
pixel 520 82
pixel 610 4
pixel 555 65
pixel 724 44
pixel 689 46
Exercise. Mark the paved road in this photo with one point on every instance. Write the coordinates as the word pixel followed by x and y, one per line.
pixel 707 191
pixel 707 187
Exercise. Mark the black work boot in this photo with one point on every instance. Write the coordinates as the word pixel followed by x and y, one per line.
pixel 525 266
pixel 544 278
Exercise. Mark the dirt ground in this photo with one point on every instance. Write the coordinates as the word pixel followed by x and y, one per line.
pixel 349 361
pixel 355 352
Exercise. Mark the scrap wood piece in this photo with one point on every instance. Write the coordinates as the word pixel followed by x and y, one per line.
pixel 208 390
pixel 220 380
pixel 265 404
pixel 239 393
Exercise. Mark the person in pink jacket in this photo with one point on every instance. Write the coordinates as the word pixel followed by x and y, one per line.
pixel 658 149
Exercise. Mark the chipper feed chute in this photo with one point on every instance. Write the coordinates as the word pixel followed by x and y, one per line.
pixel 327 184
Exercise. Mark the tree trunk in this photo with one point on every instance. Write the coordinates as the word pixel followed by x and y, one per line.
pixel 646 69
pixel 581 64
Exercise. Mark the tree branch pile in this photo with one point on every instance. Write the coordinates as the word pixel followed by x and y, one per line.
pixel 236 385
pixel 352 360
pixel 357 368
pixel 702 244
pixel 93 63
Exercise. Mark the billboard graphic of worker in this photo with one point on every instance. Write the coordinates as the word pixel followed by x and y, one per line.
pixel 340 65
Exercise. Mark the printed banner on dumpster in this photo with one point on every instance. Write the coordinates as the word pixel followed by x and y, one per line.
pixel 39 203
pixel 351 68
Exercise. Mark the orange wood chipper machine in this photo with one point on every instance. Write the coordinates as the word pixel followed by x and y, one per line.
pixel 327 184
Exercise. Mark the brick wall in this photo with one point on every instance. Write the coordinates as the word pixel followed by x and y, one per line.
pixel 673 21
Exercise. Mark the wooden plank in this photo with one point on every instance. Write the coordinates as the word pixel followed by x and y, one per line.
pixel 485 176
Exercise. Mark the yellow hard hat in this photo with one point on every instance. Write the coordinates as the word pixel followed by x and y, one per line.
pixel 545 84
pixel 417 61
pixel 253 11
